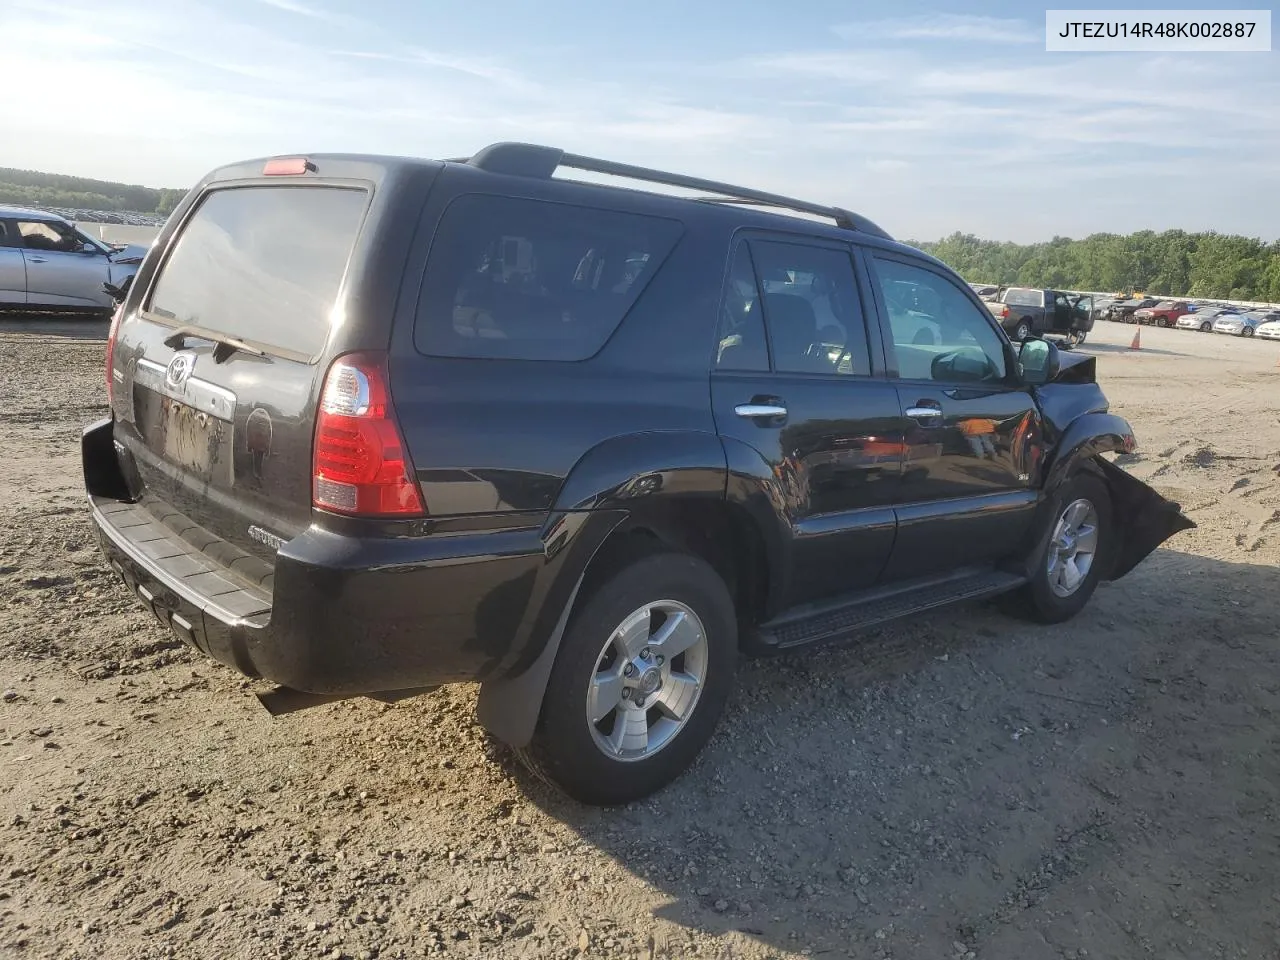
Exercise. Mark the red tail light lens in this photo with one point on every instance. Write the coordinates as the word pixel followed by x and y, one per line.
pixel 360 465
pixel 1004 311
pixel 111 349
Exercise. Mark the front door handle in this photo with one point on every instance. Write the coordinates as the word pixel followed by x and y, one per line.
pixel 925 413
pixel 752 411
pixel 36 260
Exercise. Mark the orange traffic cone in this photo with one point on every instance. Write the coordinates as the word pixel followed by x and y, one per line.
pixel 1137 340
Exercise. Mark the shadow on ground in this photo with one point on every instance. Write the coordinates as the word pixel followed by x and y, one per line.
pixel 55 325
pixel 968 782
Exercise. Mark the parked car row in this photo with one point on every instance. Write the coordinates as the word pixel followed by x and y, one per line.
pixel 1204 317
pixel 1021 320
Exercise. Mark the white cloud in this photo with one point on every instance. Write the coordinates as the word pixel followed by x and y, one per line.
pixel 945 26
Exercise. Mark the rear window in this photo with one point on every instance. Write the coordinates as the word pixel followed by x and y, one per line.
pixel 519 279
pixel 1024 298
pixel 262 263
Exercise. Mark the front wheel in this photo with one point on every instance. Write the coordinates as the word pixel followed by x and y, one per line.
pixel 1079 545
pixel 641 678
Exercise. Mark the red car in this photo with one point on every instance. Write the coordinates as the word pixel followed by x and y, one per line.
pixel 1163 314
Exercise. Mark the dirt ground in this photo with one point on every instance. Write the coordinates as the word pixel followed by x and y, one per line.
pixel 956 786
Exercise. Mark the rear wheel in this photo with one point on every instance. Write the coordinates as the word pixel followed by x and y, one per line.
pixel 641 678
pixel 1075 555
pixel 1206 327
pixel 1022 331
pixel 1246 332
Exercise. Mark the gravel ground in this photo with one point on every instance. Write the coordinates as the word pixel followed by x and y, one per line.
pixel 959 785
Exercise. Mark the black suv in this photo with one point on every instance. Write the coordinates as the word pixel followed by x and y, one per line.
pixel 383 424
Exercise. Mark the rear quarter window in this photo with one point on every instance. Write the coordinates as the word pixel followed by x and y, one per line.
pixel 263 264
pixel 518 279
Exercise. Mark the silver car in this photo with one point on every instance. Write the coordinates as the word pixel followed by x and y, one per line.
pixel 1242 323
pixel 47 264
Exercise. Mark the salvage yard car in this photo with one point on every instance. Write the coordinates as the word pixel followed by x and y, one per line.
pixel 380 424
pixel 1202 319
pixel 46 264
pixel 1243 323
pixel 1270 330
pixel 1164 314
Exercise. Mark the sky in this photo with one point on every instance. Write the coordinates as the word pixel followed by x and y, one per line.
pixel 926 119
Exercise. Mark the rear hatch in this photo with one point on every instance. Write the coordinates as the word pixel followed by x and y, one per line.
pixel 217 363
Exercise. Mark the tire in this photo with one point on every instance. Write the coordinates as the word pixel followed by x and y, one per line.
pixel 1041 598
pixel 567 750
pixel 1247 332
pixel 1021 331
pixel 1206 327
pixel 1160 322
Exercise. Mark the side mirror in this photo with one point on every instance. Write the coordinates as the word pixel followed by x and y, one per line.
pixel 1038 361
pixel 88 247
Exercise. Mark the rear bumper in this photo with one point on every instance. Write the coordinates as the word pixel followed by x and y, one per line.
pixel 342 615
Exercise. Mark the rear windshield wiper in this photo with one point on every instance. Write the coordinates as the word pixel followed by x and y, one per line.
pixel 226 345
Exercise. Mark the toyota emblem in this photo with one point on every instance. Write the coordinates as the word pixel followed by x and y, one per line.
pixel 179 369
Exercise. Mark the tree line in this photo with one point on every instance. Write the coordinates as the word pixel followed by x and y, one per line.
pixel 1173 263
pixel 29 188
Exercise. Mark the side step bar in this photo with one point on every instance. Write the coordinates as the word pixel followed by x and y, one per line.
pixel 832 621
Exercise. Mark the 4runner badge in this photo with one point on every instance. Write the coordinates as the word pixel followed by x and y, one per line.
pixel 265 537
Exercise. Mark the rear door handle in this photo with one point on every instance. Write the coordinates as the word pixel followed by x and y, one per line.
pixel 752 411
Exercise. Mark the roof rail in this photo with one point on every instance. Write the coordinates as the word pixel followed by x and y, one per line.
pixel 533 160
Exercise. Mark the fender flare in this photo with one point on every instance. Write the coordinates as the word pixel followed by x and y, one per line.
pixel 616 472
pixel 609 483
pixel 1084 439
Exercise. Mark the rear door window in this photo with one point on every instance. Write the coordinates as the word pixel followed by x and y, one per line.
pixel 263 264
pixel 812 309
pixel 518 279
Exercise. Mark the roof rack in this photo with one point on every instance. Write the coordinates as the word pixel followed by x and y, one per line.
pixel 533 160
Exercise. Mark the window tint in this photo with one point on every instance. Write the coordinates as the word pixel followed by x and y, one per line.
pixel 811 309
pixel 262 263
pixel 938 333
pixel 741 332
pixel 531 280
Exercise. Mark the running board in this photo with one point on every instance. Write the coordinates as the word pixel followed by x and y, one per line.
pixel 830 622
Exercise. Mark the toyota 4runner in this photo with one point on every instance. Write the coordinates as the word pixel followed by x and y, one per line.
pixel 378 425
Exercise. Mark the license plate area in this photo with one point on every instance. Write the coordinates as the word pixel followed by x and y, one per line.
pixel 190 427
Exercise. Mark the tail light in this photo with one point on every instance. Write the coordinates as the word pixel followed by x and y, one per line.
pixel 360 465
pixel 111 348
pixel 1004 311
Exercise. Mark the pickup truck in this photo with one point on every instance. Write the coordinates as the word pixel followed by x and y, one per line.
pixel 1023 311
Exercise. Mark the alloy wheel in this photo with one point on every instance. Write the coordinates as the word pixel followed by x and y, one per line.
pixel 1073 547
pixel 648 678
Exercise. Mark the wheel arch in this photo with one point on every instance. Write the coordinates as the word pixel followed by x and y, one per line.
pixel 650 492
